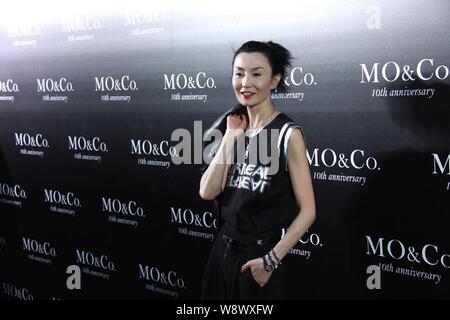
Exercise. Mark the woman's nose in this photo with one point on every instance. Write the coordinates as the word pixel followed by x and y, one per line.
pixel 246 82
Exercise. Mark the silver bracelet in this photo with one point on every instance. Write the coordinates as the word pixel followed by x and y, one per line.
pixel 267 266
pixel 278 262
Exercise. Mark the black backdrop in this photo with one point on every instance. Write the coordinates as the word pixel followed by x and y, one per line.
pixel 89 99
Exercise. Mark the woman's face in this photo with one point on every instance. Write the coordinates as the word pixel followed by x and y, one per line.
pixel 252 78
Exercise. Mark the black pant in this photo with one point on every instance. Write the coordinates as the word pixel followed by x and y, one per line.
pixel 223 280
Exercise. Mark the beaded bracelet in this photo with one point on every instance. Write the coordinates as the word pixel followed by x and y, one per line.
pixel 278 262
pixel 267 265
pixel 270 261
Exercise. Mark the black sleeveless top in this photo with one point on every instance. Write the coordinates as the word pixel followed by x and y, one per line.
pixel 258 199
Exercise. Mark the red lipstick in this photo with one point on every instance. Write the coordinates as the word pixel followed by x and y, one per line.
pixel 247 95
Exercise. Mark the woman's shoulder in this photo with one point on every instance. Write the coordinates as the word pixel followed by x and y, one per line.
pixel 285 121
pixel 287 128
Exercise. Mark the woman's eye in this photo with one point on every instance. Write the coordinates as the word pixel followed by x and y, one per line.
pixel 257 74
pixel 238 74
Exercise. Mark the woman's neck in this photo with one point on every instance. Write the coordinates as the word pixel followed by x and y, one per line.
pixel 260 115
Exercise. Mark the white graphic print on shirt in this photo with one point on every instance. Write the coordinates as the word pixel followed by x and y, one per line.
pixel 250 177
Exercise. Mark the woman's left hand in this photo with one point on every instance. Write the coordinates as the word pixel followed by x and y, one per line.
pixel 256 266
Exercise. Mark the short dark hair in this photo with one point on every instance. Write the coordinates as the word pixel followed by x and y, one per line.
pixel 279 57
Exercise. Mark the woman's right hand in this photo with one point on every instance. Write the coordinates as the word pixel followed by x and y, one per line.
pixel 237 121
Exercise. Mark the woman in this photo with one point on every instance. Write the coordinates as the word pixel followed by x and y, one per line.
pixel 246 258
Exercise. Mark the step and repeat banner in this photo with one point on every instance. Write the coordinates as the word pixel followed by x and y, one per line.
pixel 95 97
